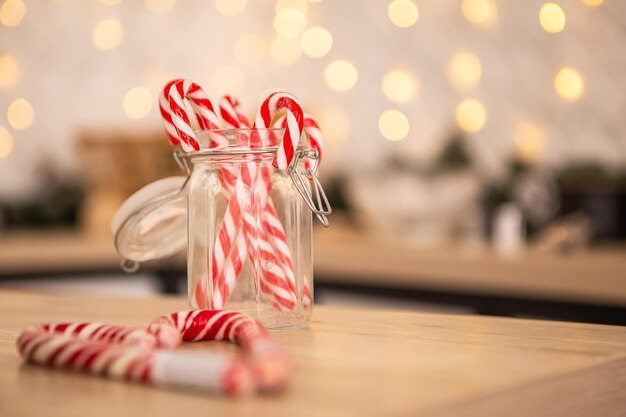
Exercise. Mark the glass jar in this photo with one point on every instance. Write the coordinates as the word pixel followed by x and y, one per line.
pixel 248 226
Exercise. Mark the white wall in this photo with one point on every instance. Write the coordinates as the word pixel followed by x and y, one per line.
pixel 71 84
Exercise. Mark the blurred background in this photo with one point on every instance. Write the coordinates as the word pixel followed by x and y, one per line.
pixel 475 149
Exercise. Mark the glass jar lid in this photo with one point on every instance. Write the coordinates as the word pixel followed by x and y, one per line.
pixel 152 223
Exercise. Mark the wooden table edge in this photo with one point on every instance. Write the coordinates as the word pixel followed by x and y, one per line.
pixel 588 390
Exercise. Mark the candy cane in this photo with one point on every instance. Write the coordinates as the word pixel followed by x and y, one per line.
pixel 313 133
pixel 100 332
pixel 241 211
pixel 130 355
pixel 294 117
pixel 284 157
pixel 316 141
pixel 277 280
pixel 166 117
pixel 179 91
pixel 175 117
pixel 229 111
pixel 271 222
pixel 270 367
pixel 166 368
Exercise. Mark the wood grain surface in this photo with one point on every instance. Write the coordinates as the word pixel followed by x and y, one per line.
pixel 349 362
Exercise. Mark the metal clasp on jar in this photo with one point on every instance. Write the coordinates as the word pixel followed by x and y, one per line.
pixel 316 200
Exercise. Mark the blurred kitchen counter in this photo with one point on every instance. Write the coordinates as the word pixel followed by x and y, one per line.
pixel 64 253
pixel 580 284
pixel 344 255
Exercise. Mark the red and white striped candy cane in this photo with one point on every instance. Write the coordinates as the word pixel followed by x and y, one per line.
pixel 244 208
pixel 284 156
pixel 316 141
pixel 229 110
pixel 166 117
pixel 277 279
pixel 179 91
pixel 230 250
pixel 294 125
pixel 101 332
pixel 270 367
pixel 175 117
pixel 80 347
pixel 313 133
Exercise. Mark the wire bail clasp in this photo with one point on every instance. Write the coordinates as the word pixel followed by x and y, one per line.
pixel 315 200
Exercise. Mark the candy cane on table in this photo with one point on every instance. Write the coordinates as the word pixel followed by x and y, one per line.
pixel 270 366
pixel 128 353
pixel 167 368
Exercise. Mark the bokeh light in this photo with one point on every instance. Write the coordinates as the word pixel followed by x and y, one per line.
pixel 160 6
pixel 154 79
pixel 6 142
pixel 398 86
pixel 593 3
pixel 9 70
pixel 530 142
pixel 341 75
pixel 285 51
pixel 335 124
pixel 300 5
pixel 137 102
pixel 471 115
pixel 569 84
pixel 230 7
pixel 552 18
pixel 480 12
pixel 464 70
pixel 12 12
pixel 393 125
pixel 228 80
pixel 316 42
pixel 250 49
pixel 108 34
pixel 20 114
pixel 289 23
pixel 403 13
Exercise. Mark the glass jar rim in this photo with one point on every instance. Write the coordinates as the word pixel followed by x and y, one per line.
pixel 236 149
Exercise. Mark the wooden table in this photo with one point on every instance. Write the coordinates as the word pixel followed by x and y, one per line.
pixel 350 362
